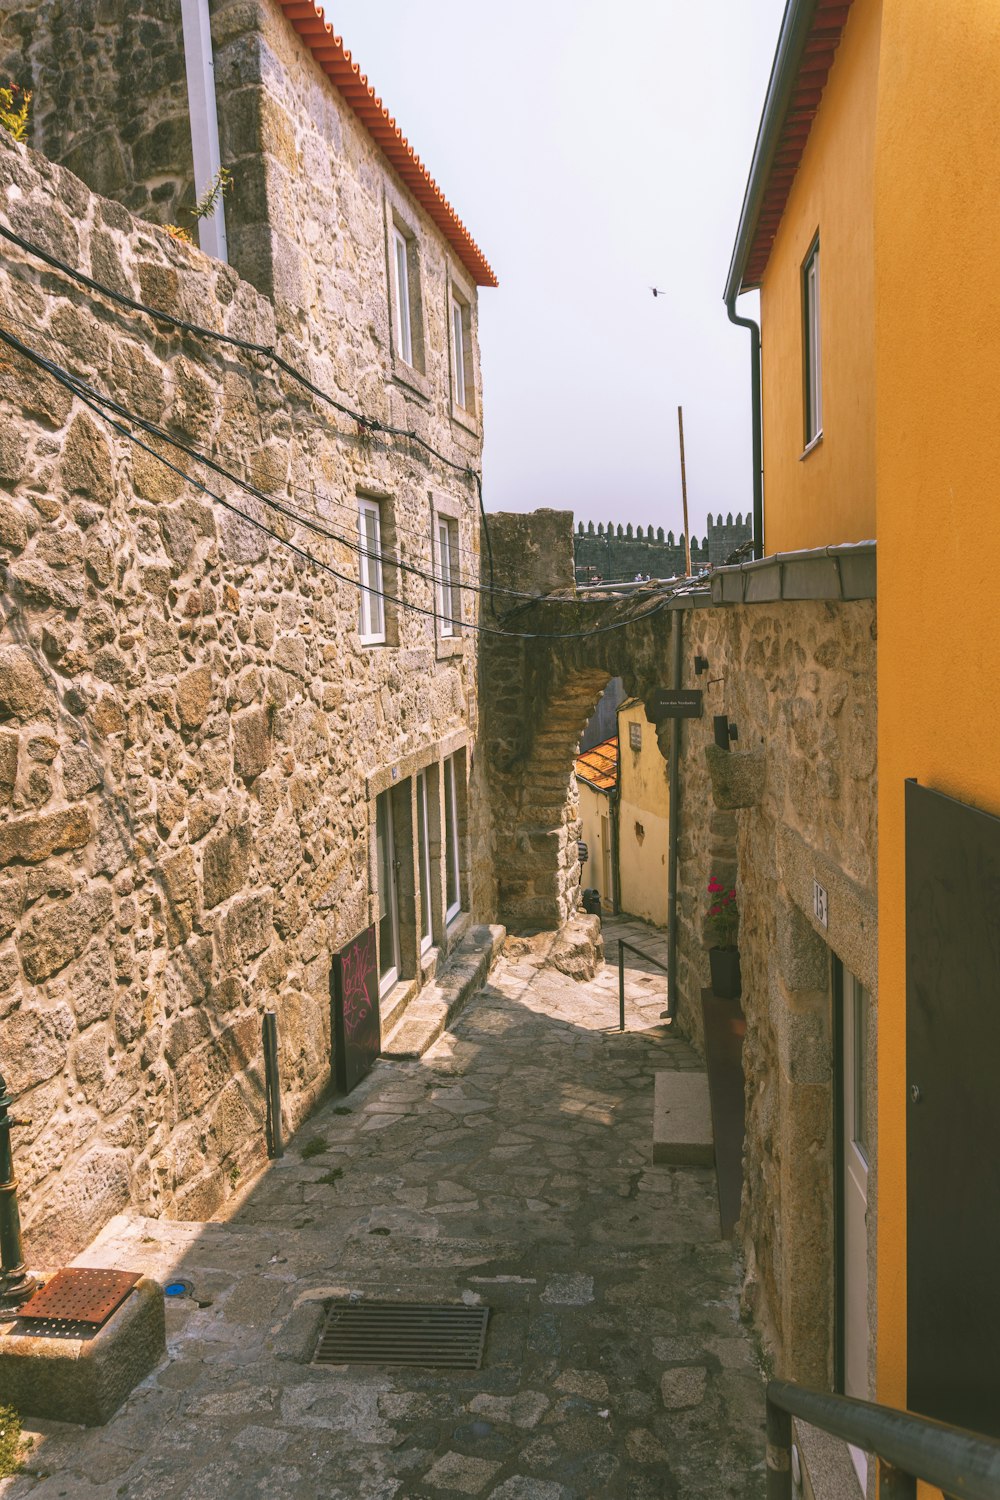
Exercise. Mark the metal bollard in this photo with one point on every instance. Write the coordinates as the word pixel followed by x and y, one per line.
pixel 272 1085
pixel 621 985
pixel 16 1282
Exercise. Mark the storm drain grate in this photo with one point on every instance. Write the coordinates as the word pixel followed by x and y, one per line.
pixel 403 1333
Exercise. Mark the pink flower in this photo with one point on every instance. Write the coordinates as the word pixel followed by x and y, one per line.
pixel 714 886
pixel 714 911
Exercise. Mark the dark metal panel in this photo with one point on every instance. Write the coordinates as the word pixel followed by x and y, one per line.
pixel 953 1110
pixel 355 1001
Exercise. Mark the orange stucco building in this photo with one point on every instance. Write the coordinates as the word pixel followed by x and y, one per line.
pixel 870 228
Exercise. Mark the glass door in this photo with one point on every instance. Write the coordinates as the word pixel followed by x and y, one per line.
pixel 388 897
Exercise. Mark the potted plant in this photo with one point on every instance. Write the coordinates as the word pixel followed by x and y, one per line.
pixel 721 928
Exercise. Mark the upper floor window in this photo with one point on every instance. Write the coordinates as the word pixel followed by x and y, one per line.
pixel 449 604
pixel 461 337
pixel 372 625
pixel 813 386
pixel 402 312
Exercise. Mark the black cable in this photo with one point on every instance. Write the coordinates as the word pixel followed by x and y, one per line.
pixel 98 407
pixel 457 581
pixel 372 424
pixel 154 430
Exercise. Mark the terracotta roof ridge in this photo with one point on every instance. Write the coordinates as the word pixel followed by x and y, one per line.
pixel 309 20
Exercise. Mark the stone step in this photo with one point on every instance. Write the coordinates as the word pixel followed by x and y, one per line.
pixel 682 1120
pixel 439 1003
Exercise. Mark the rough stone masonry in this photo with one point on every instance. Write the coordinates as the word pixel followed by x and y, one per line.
pixel 189 726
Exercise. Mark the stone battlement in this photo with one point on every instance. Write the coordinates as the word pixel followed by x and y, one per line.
pixel 619 552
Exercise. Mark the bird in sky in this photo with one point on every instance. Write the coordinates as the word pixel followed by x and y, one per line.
pixel 657 291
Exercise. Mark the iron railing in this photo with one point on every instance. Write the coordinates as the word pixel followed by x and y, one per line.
pixel 668 1014
pixel 965 1465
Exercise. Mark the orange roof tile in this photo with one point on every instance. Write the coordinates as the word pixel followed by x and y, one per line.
pixel 309 21
pixel 789 110
pixel 599 767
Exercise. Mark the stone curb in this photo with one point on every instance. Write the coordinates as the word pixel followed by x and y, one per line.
pixel 428 1015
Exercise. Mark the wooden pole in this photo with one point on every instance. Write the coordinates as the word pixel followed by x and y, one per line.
pixel 684 496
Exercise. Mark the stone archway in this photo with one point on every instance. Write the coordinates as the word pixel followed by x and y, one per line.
pixel 537 699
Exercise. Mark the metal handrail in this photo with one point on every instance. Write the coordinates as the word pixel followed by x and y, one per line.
pixel 668 1014
pixel 965 1465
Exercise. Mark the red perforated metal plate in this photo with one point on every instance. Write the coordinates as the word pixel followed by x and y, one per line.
pixel 78 1295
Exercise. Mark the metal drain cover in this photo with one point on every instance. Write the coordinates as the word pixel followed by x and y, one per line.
pixel 80 1295
pixel 403 1333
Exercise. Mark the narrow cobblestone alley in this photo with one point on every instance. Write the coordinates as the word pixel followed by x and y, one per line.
pixel 510 1164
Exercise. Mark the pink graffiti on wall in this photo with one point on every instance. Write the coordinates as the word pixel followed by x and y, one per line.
pixel 358 970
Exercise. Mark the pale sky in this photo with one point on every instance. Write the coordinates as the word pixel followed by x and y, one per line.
pixel 592 151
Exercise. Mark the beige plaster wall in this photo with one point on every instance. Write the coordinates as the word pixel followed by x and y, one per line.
pixel 644 824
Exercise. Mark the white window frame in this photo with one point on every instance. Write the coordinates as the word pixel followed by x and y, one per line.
pixel 424 861
pixel 401 310
pixel 812 347
pixel 459 322
pixel 371 628
pixel 449 597
pixel 452 846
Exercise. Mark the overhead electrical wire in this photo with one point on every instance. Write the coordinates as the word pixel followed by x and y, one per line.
pixel 101 406
pixel 459 579
pixel 372 424
pixel 452 581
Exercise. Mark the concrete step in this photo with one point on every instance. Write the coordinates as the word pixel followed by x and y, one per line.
pixel 439 1003
pixel 682 1120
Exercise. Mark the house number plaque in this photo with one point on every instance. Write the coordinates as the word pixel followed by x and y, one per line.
pixel 821 904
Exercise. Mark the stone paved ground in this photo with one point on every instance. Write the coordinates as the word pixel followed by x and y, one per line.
pixel 511 1164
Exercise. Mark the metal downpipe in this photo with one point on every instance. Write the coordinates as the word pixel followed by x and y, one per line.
pixel 677 640
pixel 758 454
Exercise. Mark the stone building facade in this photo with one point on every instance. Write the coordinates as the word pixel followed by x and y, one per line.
pixel 202 755
pixel 791 665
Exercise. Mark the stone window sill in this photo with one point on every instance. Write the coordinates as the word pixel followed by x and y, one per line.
pixel 449 645
pixel 462 417
pixel 413 379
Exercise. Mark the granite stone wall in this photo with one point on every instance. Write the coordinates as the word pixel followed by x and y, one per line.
pixel 110 97
pixel 191 733
pixel 792 801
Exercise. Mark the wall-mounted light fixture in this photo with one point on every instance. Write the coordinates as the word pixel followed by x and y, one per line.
pixel 724 731
pixel 700 665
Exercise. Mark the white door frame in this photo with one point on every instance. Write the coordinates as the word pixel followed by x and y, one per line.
pixel 385 859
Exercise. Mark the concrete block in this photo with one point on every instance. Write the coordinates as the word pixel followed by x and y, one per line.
pixel 85 1380
pixel 682 1120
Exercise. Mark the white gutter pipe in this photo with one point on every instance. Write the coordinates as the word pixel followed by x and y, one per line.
pixel 204 121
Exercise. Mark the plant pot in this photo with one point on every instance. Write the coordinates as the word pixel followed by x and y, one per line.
pixel 725 966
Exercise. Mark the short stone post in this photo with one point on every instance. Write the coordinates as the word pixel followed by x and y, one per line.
pixel 16 1282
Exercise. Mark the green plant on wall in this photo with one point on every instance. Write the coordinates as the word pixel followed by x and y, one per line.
pixel 14 103
pixel 213 194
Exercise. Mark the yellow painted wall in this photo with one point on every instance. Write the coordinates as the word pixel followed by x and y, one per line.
pixel 937 228
pixel 828 496
pixel 594 806
pixel 642 820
